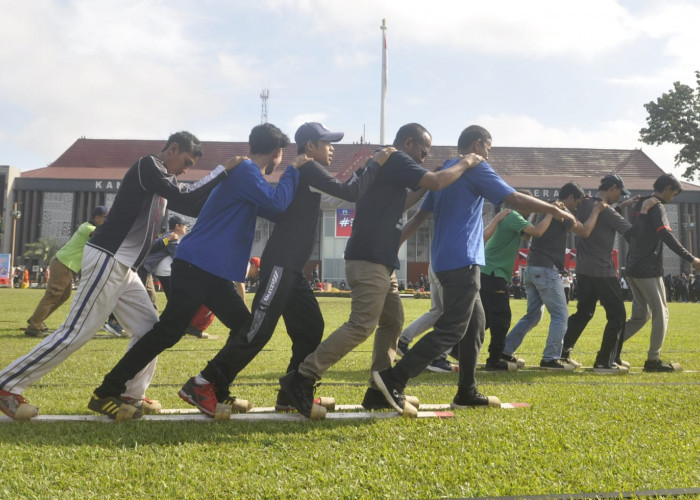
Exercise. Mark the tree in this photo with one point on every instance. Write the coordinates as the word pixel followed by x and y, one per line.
pixel 675 118
pixel 42 250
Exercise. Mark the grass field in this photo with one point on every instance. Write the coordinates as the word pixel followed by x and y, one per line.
pixel 583 433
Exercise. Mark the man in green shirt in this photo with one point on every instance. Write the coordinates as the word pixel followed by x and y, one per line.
pixel 62 269
pixel 500 253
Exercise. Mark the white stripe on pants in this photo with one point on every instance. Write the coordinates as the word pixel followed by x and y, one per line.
pixel 106 286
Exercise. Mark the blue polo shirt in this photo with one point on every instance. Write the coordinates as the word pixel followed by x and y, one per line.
pixel 458 237
pixel 221 239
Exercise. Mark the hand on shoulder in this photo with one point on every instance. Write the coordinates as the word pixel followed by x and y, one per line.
pixel 232 163
pixel 381 156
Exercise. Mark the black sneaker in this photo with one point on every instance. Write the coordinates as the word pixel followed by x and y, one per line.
pixel 402 348
pixel 659 366
pixel 33 332
pixel 191 330
pixel 440 365
pixel 375 400
pixel 392 392
pixel 299 390
pixel 500 365
pixel 473 400
pixel 556 365
pixel 613 369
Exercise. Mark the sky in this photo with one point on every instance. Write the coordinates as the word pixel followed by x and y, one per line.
pixel 536 73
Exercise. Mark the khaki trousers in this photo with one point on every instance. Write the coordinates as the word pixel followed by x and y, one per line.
pixel 58 290
pixel 375 304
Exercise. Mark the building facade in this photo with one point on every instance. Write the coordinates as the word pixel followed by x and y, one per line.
pixel 56 199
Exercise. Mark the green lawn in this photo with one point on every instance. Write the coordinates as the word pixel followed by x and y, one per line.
pixel 583 433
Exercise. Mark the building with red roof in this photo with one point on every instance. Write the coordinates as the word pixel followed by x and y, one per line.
pixel 55 199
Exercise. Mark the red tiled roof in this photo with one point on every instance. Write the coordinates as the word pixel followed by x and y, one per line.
pixel 521 167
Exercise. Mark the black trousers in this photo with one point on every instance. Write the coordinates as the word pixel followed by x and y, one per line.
pixel 283 293
pixel 462 321
pixel 609 292
pixel 496 303
pixel 165 283
pixel 191 287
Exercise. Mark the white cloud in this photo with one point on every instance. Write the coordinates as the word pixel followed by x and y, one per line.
pixel 537 28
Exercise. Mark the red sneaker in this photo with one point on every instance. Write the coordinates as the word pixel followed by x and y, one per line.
pixel 203 396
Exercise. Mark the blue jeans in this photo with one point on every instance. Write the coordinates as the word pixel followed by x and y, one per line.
pixel 544 289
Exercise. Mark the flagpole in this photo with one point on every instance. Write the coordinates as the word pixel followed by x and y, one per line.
pixel 385 74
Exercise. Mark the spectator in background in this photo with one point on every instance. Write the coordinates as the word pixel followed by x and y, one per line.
pixel 62 270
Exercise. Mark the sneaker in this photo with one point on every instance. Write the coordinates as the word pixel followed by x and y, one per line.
pixel 33 332
pixel 284 404
pixel 568 361
pixel 191 330
pixel 609 369
pixel 111 407
pixel 511 358
pixel 556 365
pixel 300 391
pixel 440 365
pixel 15 406
pixel 375 400
pixel 660 366
pixel 392 392
pixel 620 362
pixel 500 365
pixel 477 399
pixel 203 396
pixel 402 348
pixel 147 406
pixel 114 328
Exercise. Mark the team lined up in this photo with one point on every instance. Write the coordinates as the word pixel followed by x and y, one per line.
pixel 216 251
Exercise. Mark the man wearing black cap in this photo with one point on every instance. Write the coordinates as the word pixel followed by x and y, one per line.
pixel 63 268
pixel 597 278
pixel 283 289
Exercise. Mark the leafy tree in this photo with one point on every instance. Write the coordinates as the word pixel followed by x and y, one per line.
pixel 41 250
pixel 675 118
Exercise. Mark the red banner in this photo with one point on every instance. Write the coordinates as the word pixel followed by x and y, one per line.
pixel 344 218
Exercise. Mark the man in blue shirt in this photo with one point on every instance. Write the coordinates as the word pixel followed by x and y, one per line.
pixel 214 254
pixel 371 256
pixel 457 252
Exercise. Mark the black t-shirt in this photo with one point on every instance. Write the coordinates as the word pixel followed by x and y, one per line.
pixel 292 241
pixel 645 255
pixel 376 231
pixel 549 250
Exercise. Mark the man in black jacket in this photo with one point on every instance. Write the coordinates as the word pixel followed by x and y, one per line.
pixel 645 269
pixel 110 282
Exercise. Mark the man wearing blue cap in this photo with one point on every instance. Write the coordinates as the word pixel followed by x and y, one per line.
pixel 597 277
pixel 284 290
pixel 63 268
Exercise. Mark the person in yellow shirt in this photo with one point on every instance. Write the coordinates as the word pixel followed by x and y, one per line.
pixel 62 270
